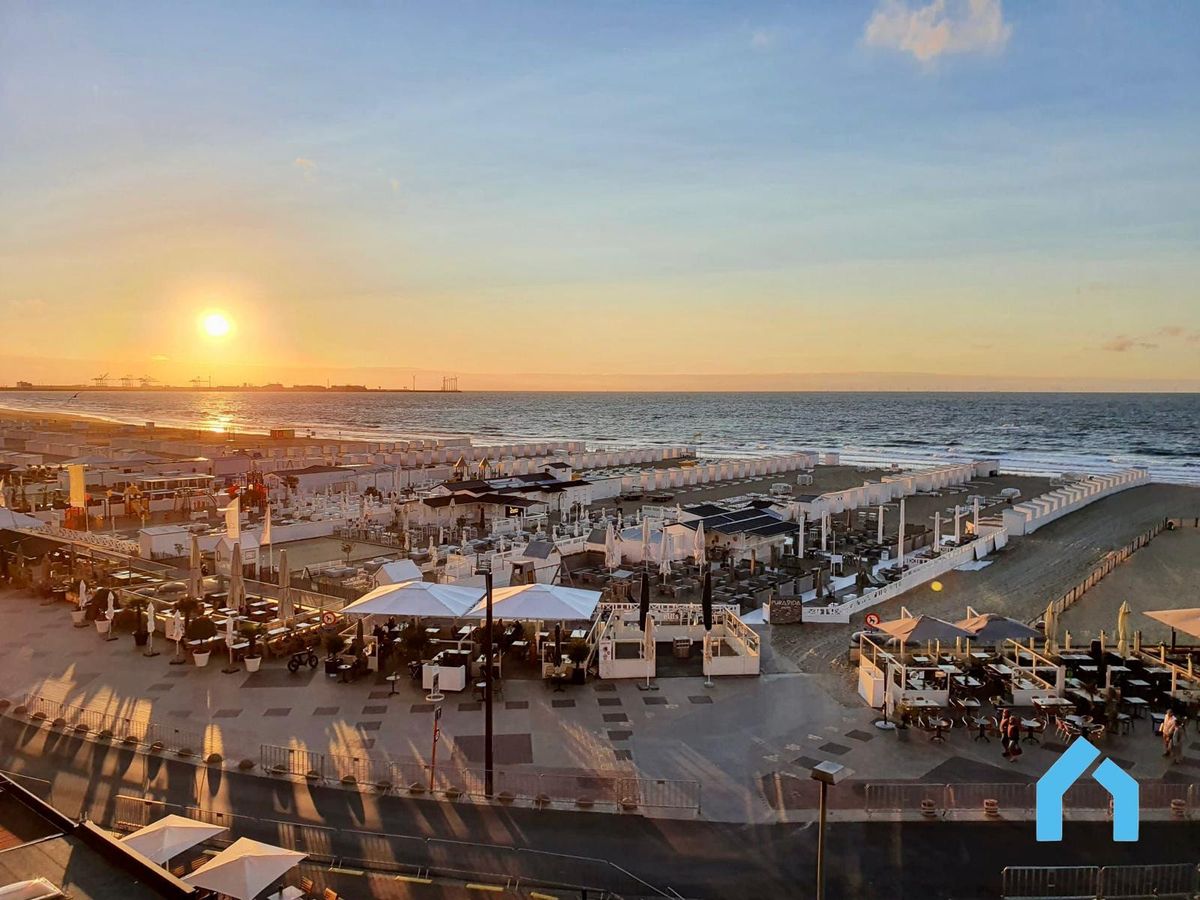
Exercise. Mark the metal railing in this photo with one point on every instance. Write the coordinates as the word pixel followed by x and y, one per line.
pixel 394 853
pixel 1018 799
pixel 134 731
pixel 601 791
pixel 1181 880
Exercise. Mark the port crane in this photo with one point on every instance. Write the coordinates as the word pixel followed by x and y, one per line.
pixel 101 381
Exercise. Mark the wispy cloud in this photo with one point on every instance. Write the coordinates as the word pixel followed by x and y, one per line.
pixel 1123 344
pixel 939 27
pixel 158 357
pixel 305 165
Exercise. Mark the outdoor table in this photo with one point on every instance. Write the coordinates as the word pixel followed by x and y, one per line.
pixel 939 726
pixel 949 669
pixel 520 646
pixel 1052 703
pixel 999 669
pixel 982 723
pixel 1078 721
pixel 1119 670
pixel 1137 683
pixel 1158 670
pixel 980 655
pixel 1029 725
pixel 1091 670
pixel 967 681
pixel 464 631
pixel 432 630
pixel 921 660
pixel 1137 706
pixel 558 679
pixel 578 634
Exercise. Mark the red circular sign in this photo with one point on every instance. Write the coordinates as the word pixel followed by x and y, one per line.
pixel 872 619
pixel 329 618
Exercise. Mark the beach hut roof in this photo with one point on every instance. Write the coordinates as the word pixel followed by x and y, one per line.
pixel 416 598
pixel 398 572
pixel 1185 620
pixel 993 628
pixel 920 629
pixel 551 602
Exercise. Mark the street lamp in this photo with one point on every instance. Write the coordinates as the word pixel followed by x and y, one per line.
pixel 488 773
pixel 825 773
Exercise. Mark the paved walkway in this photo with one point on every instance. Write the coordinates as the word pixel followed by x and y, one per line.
pixel 749 741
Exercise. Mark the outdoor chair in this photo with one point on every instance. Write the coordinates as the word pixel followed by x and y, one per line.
pixel 306 885
pixel 330 894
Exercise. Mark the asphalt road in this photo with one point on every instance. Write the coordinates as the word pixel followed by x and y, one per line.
pixel 630 855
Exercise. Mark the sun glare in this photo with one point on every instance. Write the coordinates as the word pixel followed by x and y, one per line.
pixel 215 324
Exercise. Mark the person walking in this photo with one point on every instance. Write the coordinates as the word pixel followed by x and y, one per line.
pixel 1167 731
pixel 1003 725
pixel 1014 738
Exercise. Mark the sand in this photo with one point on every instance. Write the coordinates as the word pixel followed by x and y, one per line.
pixel 1165 574
pixel 1024 578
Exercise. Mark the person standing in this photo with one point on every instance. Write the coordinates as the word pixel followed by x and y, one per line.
pixel 1014 738
pixel 1004 742
pixel 1167 731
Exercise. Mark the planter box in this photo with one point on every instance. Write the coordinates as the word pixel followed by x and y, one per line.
pixel 252 663
pixel 103 626
pixel 200 658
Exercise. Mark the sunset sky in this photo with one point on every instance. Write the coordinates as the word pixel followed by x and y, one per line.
pixel 620 194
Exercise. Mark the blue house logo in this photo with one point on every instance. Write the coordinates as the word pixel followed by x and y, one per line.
pixel 1070 767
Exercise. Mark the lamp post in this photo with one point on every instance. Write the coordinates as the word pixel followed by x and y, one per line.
pixel 488 773
pixel 826 774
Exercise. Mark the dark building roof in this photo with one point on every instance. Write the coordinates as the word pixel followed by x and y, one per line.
pixel 757 522
pixel 558 465
pixel 539 549
pixel 312 470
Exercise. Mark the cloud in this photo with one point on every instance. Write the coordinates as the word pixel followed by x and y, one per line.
pixel 394 184
pixel 305 165
pixel 1123 344
pixel 761 39
pixel 1172 331
pixel 939 27
pixel 158 357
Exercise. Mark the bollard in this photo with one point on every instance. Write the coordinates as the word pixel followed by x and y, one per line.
pixel 928 808
pixel 991 809
pixel 1178 808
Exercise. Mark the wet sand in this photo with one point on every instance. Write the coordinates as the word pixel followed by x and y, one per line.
pixel 1029 573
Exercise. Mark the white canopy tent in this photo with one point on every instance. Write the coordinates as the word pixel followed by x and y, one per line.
pixel 398 572
pixel 245 869
pixel 422 599
pixel 165 839
pixel 540 602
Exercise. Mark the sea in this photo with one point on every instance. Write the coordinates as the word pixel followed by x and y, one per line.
pixel 1042 433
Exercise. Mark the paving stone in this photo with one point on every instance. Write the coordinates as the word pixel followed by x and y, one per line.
pixel 368 743
pixel 368 726
pixel 179 713
pixel 805 762
pixel 835 749
pixel 655 701
pixel 623 755
pixel 620 735
pixel 470 707
pixel 857 735
pixel 279 678
pixel 326 711
pixel 563 704
pixel 421 708
pixel 704 698
pixel 507 749
pixel 159 688
pixel 227 713
pixel 276 711
pixel 378 695
pixel 174 673
pixel 374 709
pixel 616 717
pixel 516 704
pixel 604 688
pixel 609 701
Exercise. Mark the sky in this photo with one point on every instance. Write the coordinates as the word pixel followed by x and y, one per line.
pixel 628 195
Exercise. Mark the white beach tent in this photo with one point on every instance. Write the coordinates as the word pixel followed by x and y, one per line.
pixel 165 839
pixel 245 869
pixel 423 599
pixel 540 602
pixel 398 572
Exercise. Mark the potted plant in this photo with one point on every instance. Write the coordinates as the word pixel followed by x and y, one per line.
pixel 252 657
pixel 577 650
pixel 136 622
pixel 204 630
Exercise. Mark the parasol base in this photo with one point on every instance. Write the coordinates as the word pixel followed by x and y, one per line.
pixel 885 725
pixel 150 653
pixel 647 687
pixel 111 637
pixel 177 661
pixel 230 670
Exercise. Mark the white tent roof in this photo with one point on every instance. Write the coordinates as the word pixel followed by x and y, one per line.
pixel 10 519
pixel 168 837
pixel 416 598
pixel 398 572
pixel 540 601
pixel 244 869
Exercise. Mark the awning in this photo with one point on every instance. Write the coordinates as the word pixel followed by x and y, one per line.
pixel 535 602
pixel 416 598
pixel 171 835
pixel 1185 620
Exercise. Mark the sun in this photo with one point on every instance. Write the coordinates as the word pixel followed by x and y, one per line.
pixel 216 324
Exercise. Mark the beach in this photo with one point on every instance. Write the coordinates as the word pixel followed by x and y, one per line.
pixel 1021 581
